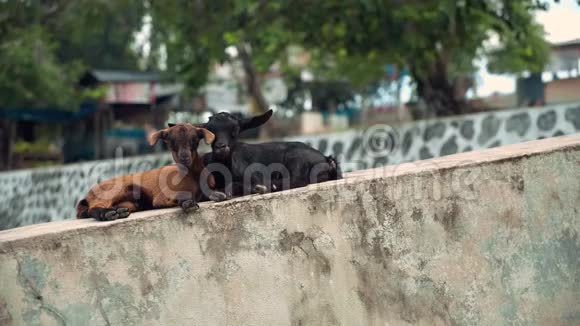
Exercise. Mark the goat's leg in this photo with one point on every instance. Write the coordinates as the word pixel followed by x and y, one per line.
pixel 184 200
pixel 106 211
pixel 259 186
pixel 234 189
pixel 162 201
pixel 189 202
pixel 103 213
pixel 249 189
pixel 121 210
pixel 218 196
pixel 211 190
pixel 261 189
pixel 281 184
pixel 215 195
pixel 128 204
pixel 106 208
pixel 125 208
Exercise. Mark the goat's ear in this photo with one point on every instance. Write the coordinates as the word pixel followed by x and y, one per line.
pixel 154 137
pixel 249 123
pixel 207 135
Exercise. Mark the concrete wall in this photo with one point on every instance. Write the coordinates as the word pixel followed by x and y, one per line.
pixel 480 238
pixel 382 145
pixel 50 194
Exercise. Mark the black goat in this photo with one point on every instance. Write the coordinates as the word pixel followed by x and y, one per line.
pixel 241 168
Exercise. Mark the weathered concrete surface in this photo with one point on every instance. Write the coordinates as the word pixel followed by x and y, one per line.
pixel 481 238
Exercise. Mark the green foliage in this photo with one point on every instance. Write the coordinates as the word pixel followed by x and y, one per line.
pixel 195 34
pixel 421 34
pixel 438 40
pixel 46 45
pixel 30 75
pixel 41 146
pixel 520 52
pixel 99 33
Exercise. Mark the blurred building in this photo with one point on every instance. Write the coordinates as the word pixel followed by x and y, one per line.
pixel 564 82
pixel 37 136
pixel 558 84
pixel 133 104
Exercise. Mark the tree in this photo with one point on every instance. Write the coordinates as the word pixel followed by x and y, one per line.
pixel 46 45
pixel 30 74
pixel 438 40
pixel 195 35
pixel 100 34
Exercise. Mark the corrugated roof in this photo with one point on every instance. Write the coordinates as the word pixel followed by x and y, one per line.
pixel 124 76
pixel 574 42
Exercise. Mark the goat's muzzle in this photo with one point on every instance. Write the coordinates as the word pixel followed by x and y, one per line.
pixel 186 162
pixel 222 151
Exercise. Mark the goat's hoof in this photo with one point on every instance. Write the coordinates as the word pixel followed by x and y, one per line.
pixel 218 196
pixel 260 189
pixel 111 214
pixel 189 205
pixel 123 212
pixel 106 214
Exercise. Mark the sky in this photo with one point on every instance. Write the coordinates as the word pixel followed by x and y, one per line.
pixel 561 23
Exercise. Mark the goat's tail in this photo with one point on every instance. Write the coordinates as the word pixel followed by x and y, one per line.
pixel 83 209
pixel 335 172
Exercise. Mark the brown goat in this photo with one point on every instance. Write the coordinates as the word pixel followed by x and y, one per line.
pixel 168 186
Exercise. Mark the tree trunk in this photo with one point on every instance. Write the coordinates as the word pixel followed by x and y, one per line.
pixel 252 79
pixel 439 97
pixel 437 93
pixel 254 88
pixel 7 131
